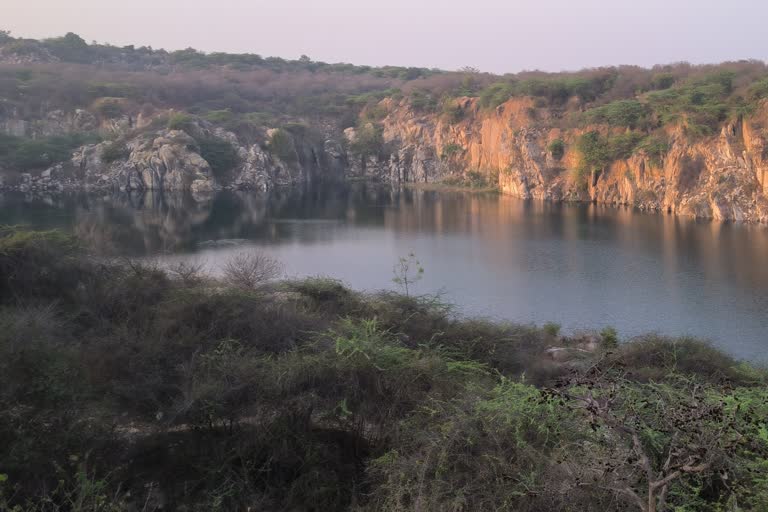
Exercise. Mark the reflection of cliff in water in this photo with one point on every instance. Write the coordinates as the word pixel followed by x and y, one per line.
pixel 566 238
pixel 157 222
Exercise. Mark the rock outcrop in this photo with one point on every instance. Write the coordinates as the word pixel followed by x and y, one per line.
pixel 724 177
pixel 166 159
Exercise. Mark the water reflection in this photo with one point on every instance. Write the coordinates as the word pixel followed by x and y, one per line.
pixel 580 265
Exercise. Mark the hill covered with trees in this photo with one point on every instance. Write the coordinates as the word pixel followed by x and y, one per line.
pixel 683 138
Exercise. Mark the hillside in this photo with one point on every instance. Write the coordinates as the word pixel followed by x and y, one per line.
pixel 686 139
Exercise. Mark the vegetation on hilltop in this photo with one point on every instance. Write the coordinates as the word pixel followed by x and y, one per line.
pixel 618 111
pixel 124 386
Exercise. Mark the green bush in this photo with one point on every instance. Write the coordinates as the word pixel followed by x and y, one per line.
pixel 450 150
pixel 623 146
pixel 552 329
pixel 423 100
pixel 110 108
pixel 597 151
pixel 624 113
pixel 700 104
pixel 557 149
pixel 69 48
pixel 662 81
pixel 219 116
pixel 115 151
pixel 609 338
pixel 656 148
pixel 496 94
pixel 759 89
pixel 281 145
pixel 220 155
pixel 369 140
pixel 181 121
pixel 28 154
pixel 452 111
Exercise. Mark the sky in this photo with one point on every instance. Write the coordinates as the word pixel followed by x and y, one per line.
pixel 492 35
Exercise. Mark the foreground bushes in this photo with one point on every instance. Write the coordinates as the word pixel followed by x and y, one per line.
pixel 126 387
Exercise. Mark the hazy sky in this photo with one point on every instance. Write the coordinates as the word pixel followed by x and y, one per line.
pixel 493 35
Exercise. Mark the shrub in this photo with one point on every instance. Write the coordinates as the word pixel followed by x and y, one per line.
pixel 281 145
pixel 623 146
pixel 759 89
pixel 625 113
pixel 662 81
pixel 609 337
pixel 452 111
pixel 38 264
pixel 220 155
pixel 557 149
pixel 552 329
pixel 595 151
pixel 250 270
pixel 423 100
pixel 27 154
pixel 115 151
pixel 369 140
pixel 181 121
pixel 219 116
pixel 450 150
pixel 700 104
pixel 496 94
pixel 656 148
pixel 70 48
pixel 189 273
pixel 656 358
pixel 109 108
pixel 328 295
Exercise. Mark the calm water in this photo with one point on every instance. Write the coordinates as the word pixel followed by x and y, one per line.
pixel 581 266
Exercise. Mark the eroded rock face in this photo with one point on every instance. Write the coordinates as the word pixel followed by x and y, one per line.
pixel 723 177
pixel 172 160
pixel 167 161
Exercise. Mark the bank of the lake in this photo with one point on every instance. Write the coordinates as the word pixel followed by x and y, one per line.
pixel 124 386
pixel 582 266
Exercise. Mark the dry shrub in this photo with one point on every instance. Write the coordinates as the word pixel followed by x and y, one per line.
pixel 188 273
pixel 249 270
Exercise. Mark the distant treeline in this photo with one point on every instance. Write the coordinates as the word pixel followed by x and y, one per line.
pixel 625 109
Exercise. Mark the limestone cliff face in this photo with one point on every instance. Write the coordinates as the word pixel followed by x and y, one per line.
pixel 162 159
pixel 167 161
pixel 723 177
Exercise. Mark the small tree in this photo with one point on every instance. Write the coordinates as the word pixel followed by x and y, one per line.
pixel 408 271
pixel 249 270
pixel 220 155
pixel 281 145
pixel 557 149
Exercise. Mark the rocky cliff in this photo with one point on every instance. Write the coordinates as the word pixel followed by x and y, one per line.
pixel 141 154
pixel 723 177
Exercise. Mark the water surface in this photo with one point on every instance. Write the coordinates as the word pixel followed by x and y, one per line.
pixel 583 266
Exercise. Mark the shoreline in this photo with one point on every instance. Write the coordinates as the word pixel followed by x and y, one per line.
pixel 74 190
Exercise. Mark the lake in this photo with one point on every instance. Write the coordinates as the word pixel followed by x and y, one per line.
pixel 582 266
